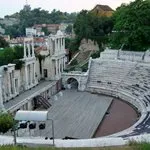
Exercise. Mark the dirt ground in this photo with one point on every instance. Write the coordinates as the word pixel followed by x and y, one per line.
pixel 121 116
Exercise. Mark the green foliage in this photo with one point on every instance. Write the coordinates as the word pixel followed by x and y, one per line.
pixel 95 54
pixel 6 56
pixel 91 26
pixel 27 18
pixel 137 146
pixel 84 67
pixel 74 62
pixel 69 29
pixel 18 52
pixel 6 122
pixel 19 64
pixel 74 44
pixel 11 55
pixel 132 26
pixel 45 30
pixel 3 43
pixel 67 42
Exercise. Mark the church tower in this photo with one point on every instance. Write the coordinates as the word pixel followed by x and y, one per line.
pixel 27 7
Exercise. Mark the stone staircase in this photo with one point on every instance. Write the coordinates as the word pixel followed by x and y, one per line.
pixel 42 101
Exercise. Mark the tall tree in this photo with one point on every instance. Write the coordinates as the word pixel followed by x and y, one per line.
pixel 91 26
pixel 132 26
pixel 28 17
pixel 3 43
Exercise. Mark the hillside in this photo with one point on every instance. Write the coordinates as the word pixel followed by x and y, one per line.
pixel 28 17
pixel 80 59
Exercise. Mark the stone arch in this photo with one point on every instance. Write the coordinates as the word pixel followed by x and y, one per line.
pixel 72 83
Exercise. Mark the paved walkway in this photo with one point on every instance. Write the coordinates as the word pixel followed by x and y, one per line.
pixel 97 142
pixel 25 96
pixel 76 114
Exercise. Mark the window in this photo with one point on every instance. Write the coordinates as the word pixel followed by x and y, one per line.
pixel 45 73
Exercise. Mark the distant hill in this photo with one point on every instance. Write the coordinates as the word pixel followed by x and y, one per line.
pixel 28 17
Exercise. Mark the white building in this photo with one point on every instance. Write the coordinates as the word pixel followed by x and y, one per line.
pixel 56 59
pixel 22 89
pixel 30 32
pixel 2 31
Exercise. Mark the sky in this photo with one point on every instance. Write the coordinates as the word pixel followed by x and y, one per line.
pixel 8 7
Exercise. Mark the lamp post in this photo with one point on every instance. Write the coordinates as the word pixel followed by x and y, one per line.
pixel 52 130
pixel 14 133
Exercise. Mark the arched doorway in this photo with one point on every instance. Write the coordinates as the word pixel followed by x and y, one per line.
pixel 73 83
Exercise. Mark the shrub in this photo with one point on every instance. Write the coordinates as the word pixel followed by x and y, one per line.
pixel 84 67
pixel 6 122
pixel 74 62
pixel 18 63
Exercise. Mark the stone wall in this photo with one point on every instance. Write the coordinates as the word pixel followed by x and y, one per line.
pixel 88 45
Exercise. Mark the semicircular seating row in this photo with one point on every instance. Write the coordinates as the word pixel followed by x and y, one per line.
pixel 127 80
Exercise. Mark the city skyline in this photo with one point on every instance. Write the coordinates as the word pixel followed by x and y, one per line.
pixel 8 7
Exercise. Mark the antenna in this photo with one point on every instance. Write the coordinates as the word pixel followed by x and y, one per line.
pixel 26 2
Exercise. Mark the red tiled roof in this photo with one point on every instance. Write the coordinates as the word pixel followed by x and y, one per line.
pixel 103 7
pixel 39 49
pixel 39 40
pixel 46 25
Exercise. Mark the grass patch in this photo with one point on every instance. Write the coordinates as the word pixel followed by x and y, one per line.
pixel 132 146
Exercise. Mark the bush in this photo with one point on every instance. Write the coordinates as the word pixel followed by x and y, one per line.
pixel 74 62
pixel 95 54
pixel 84 67
pixel 18 63
pixel 6 122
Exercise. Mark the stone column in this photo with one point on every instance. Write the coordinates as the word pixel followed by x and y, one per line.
pixel 56 68
pixel 33 48
pixel 59 44
pixel 13 83
pixel 26 77
pixel 1 96
pixel 55 50
pixel 29 51
pixel 15 90
pixel 59 66
pixel 25 53
pixel 63 47
pixel 31 75
pixel 9 84
pixel 62 43
pixel 62 62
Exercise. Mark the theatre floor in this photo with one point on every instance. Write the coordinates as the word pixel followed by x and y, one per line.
pixel 121 116
pixel 75 114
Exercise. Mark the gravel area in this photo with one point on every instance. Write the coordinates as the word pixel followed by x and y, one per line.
pixel 120 116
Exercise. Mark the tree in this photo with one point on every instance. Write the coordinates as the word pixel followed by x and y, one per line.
pixel 28 18
pixel 91 26
pixel 3 43
pixel 69 29
pixel 132 26
pixel 74 44
pixel 6 122
pixel 45 30
pixel 11 55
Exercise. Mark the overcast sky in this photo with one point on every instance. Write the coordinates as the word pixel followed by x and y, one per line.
pixel 8 7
